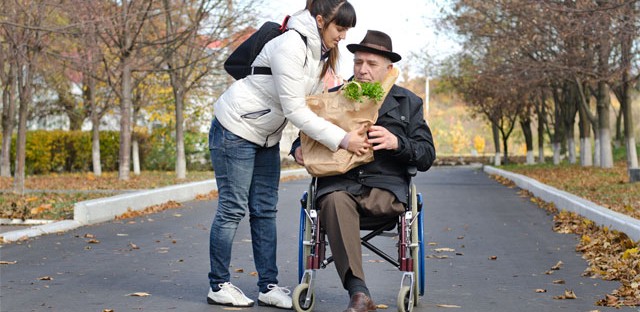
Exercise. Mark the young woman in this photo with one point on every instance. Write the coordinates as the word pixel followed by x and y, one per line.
pixel 244 142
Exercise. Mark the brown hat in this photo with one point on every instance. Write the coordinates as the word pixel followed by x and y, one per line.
pixel 376 42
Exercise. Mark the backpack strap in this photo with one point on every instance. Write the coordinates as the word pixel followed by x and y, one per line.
pixel 261 70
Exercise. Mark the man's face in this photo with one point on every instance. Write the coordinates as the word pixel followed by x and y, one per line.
pixel 370 67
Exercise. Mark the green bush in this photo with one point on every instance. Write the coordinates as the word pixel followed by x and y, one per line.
pixel 70 151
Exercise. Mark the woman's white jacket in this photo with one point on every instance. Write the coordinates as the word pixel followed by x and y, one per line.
pixel 258 107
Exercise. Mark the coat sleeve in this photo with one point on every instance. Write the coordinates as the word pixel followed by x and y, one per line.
pixel 288 69
pixel 416 148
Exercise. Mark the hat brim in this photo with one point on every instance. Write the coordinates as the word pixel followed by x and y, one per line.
pixel 353 48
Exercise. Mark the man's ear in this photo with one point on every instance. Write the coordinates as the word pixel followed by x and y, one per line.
pixel 320 21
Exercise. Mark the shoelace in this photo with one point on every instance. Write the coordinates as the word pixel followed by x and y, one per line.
pixel 278 288
pixel 235 291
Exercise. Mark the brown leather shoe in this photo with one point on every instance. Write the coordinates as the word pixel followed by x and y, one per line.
pixel 360 303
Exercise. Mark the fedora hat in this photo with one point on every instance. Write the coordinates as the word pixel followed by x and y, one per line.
pixel 376 42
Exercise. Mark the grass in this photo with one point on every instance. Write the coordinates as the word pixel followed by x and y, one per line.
pixel 53 196
pixel 606 187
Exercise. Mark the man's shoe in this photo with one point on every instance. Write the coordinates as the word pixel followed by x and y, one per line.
pixel 276 297
pixel 229 295
pixel 360 303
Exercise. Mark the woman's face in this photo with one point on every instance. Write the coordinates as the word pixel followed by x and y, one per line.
pixel 331 33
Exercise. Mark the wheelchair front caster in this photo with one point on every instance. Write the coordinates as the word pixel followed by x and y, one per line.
pixel 299 298
pixel 405 302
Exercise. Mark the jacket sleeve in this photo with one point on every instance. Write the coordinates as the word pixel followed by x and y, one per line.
pixel 288 69
pixel 416 148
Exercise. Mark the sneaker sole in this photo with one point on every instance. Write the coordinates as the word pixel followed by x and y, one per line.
pixel 211 301
pixel 264 304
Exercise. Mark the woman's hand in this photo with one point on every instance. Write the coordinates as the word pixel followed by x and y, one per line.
pixel 358 141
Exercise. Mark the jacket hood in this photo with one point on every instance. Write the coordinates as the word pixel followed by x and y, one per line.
pixel 305 24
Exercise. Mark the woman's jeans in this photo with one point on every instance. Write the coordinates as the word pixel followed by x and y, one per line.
pixel 247 176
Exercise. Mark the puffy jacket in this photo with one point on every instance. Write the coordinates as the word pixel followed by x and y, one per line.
pixel 258 107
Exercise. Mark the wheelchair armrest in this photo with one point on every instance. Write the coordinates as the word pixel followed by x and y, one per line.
pixel 412 171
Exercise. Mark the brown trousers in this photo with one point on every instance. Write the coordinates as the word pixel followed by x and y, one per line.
pixel 340 216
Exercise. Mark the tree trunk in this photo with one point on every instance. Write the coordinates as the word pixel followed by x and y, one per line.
pixel 136 156
pixel 125 122
pixel 625 99
pixel 496 143
pixel 95 126
pixel 135 150
pixel 603 105
pixel 586 157
pixel 181 162
pixel 24 79
pixel 8 122
pixel 542 120
pixel 571 145
pixel 528 138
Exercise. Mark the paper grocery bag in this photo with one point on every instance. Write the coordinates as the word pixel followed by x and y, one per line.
pixel 348 115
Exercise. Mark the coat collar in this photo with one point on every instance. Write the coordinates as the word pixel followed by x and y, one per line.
pixel 393 100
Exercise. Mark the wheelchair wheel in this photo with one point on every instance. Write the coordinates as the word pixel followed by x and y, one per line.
pixel 299 296
pixel 416 237
pixel 421 262
pixel 304 235
pixel 405 304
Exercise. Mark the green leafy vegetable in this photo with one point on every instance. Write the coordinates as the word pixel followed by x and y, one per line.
pixel 357 90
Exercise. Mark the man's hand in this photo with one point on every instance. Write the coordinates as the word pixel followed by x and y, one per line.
pixel 358 141
pixel 297 155
pixel 381 138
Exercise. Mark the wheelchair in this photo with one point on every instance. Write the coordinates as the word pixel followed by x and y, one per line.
pixel 312 246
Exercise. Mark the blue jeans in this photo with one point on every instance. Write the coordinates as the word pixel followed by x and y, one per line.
pixel 247 176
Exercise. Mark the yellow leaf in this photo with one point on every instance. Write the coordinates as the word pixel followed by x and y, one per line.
pixel 448 306
pixel 139 294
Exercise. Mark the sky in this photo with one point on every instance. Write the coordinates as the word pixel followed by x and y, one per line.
pixel 408 22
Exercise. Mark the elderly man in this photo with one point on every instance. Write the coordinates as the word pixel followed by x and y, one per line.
pixel 400 138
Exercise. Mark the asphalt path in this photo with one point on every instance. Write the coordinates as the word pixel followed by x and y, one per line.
pixel 487 249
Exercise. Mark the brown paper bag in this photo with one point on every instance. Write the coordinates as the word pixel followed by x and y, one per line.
pixel 348 115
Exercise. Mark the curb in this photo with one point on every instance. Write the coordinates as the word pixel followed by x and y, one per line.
pixel 563 200
pixel 106 209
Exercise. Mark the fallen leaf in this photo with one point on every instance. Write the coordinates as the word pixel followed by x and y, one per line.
pixel 448 306
pixel 558 281
pixel 493 258
pixel 8 262
pixel 444 249
pixel 87 235
pixel 540 290
pixel 557 266
pixel 382 306
pixel 239 270
pixel 254 273
pixel 93 241
pixel 107 310
pixel 568 294
pixel 133 246
pixel 139 294
pixel 45 278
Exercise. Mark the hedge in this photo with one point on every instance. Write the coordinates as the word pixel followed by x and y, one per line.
pixel 70 151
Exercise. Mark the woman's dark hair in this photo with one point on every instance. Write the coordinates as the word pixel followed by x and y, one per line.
pixel 339 12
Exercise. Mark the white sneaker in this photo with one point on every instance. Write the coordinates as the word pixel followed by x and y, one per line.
pixel 276 296
pixel 229 295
